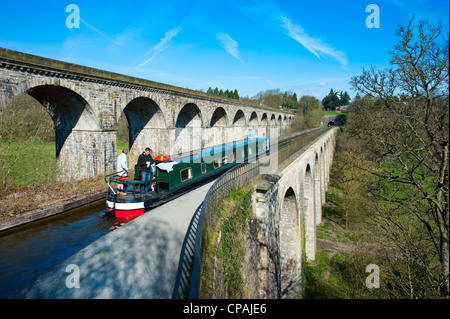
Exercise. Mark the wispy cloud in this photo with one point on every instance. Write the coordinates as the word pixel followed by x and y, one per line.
pixel 269 13
pixel 313 45
pixel 104 35
pixel 161 46
pixel 230 45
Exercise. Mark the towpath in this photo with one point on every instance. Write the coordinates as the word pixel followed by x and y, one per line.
pixel 146 258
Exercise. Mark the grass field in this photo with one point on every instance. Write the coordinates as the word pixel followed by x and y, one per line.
pixel 24 163
pixel 30 163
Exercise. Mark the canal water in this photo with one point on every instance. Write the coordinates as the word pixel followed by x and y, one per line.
pixel 30 250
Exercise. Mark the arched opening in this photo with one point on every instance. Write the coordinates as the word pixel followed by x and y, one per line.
pixel 253 121
pixel 280 121
pixel 273 120
pixel 140 125
pixel 264 119
pixel 317 191
pixel 309 214
pixel 239 126
pixel 322 175
pixel 290 248
pixel 66 108
pixel 219 118
pixel 265 124
pixel 81 151
pixel 187 129
pixel 27 143
pixel 239 119
pixel 217 132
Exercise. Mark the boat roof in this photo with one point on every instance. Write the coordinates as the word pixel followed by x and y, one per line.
pixel 211 151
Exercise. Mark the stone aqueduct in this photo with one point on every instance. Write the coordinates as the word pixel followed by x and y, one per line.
pixel 289 205
pixel 85 105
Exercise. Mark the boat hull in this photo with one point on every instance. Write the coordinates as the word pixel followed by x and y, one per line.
pixel 125 210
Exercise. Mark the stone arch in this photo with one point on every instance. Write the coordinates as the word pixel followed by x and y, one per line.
pixel 189 116
pixel 285 121
pixel 253 120
pixel 290 247
pixel 217 131
pixel 219 118
pixel 280 121
pixel 317 190
pixel 264 119
pixel 188 127
pixel 145 123
pixel 322 174
pixel 239 126
pixel 79 152
pixel 273 120
pixel 239 119
pixel 309 213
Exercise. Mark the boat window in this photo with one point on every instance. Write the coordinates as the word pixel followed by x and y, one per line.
pixel 203 168
pixel 232 158
pixel 186 174
pixel 217 163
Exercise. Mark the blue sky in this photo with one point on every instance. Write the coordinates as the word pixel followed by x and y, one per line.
pixel 306 47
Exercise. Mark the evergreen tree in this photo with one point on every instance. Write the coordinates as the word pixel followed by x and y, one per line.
pixel 345 99
pixel 331 101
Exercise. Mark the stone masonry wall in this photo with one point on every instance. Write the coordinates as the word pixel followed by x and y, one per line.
pixel 87 104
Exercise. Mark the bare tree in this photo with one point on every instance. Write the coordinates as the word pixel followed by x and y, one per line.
pixel 404 121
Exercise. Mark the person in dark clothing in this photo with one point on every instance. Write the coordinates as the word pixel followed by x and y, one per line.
pixel 145 161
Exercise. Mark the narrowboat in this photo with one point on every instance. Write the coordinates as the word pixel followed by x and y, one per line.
pixel 175 174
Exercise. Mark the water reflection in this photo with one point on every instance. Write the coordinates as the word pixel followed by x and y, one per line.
pixel 30 250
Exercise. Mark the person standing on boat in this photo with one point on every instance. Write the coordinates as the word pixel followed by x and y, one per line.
pixel 266 140
pixel 145 160
pixel 122 169
pixel 152 169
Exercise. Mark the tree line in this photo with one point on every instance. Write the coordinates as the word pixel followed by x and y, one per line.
pixel 229 94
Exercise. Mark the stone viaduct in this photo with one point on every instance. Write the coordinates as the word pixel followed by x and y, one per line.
pixel 288 208
pixel 85 105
